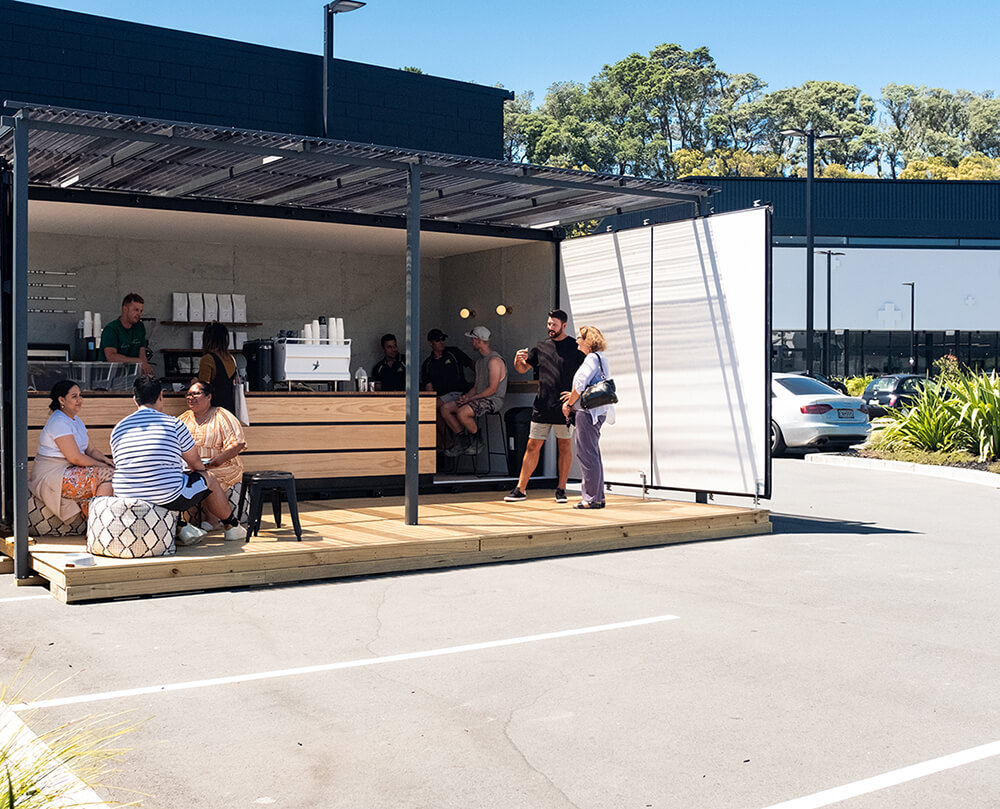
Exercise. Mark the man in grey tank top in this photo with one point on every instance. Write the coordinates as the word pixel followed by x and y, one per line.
pixel 486 397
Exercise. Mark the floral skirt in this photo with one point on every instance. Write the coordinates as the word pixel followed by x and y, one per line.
pixel 80 484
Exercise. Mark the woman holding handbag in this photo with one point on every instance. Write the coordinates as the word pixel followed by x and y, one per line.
pixel 587 434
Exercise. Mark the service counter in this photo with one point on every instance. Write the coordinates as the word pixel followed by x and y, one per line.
pixel 331 442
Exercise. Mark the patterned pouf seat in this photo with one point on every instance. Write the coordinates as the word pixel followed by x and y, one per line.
pixel 43 523
pixel 128 528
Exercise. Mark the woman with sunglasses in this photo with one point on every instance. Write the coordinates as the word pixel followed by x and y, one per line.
pixel 218 435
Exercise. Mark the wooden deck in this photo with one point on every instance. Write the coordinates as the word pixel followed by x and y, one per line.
pixel 369 536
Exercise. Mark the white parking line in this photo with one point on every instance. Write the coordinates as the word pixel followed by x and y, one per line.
pixel 891 779
pixel 23 598
pixel 349 664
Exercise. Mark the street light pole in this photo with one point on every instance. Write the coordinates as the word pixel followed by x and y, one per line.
pixel 913 335
pixel 810 135
pixel 336 7
pixel 829 335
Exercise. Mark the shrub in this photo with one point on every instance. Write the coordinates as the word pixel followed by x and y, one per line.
pixel 931 424
pixel 856 384
pixel 975 402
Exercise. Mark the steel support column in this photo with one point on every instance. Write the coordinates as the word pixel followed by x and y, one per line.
pixel 19 349
pixel 413 345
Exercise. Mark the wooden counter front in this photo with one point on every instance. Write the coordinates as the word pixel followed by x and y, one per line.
pixel 327 440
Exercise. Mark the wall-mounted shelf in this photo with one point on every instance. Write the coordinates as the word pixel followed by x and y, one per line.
pixel 201 323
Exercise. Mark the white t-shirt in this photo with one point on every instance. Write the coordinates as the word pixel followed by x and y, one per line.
pixel 146 447
pixel 58 425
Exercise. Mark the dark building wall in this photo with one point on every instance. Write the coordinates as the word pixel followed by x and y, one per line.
pixel 874 208
pixel 83 61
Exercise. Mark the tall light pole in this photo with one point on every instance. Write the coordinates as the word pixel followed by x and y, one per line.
pixel 913 335
pixel 811 136
pixel 829 335
pixel 336 7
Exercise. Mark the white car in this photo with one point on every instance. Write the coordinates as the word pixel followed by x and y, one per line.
pixel 807 413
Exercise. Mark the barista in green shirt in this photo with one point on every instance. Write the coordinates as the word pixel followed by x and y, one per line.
pixel 124 339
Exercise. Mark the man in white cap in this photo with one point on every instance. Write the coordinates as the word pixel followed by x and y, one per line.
pixel 486 397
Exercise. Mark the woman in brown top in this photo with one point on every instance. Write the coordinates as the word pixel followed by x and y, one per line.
pixel 218 366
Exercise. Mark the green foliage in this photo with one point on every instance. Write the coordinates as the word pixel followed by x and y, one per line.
pixel 856 384
pixel 930 424
pixel 35 766
pixel 976 403
pixel 947 369
pixel 673 113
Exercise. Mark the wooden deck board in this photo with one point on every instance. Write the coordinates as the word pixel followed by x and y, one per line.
pixel 369 536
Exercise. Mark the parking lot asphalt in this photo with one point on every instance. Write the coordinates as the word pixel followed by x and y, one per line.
pixel 843 660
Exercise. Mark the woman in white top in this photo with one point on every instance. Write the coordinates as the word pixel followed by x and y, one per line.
pixel 587 434
pixel 68 472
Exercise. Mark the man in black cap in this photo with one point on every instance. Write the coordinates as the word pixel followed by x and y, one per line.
pixel 444 373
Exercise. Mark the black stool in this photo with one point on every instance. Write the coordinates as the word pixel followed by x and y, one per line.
pixel 275 482
pixel 490 448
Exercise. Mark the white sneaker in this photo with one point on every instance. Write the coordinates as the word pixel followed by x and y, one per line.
pixel 235 534
pixel 207 527
pixel 190 535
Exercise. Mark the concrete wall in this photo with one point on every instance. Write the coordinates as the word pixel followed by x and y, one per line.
pixel 284 287
pixel 955 289
pixel 520 277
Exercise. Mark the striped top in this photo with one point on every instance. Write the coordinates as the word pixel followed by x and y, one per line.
pixel 146 447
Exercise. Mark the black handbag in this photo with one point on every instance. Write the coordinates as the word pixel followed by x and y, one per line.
pixel 600 393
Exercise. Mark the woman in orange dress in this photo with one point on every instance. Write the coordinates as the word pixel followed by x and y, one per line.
pixel 68 471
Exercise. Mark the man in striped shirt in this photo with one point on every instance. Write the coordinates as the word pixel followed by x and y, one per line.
pixel 149 449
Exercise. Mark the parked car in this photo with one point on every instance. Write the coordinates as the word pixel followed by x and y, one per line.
pixel 807 413
pixel 892 391
pixel 830 382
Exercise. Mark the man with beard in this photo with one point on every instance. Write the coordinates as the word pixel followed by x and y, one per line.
pixel 557 360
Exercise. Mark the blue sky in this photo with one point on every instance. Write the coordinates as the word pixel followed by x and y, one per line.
pixel 529 44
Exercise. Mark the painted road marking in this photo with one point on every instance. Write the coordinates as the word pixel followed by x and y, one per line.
pixel 24 598
pixel 349 664
pixel 891 779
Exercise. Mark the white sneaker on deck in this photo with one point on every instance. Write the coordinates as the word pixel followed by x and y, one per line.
pixel 189 535
pixel 235 534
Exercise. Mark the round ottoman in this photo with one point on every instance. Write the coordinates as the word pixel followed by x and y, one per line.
pixel 43 523
pixel 127 528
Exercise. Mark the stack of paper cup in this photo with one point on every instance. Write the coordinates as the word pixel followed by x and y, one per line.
pixel 340 329
pixel 88 324
pixel 324 329
pixel 98 325
pixel 307 333
pixel 315 332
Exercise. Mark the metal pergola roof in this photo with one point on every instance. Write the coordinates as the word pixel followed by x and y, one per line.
pixel 106 152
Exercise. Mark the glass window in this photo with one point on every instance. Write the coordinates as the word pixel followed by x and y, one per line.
pixel 804 385
pixel 912 385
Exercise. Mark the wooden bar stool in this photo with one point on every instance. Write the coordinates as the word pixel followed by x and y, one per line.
pixel 274 482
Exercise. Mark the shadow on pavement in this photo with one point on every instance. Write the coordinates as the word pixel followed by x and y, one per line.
pixel 788 524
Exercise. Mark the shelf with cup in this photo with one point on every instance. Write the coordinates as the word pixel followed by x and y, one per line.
pixel 202 323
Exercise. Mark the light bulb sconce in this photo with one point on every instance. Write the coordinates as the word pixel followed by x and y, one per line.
pixel 503 309
pixel 465 313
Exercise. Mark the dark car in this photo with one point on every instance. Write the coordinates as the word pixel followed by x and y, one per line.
pixel 892 391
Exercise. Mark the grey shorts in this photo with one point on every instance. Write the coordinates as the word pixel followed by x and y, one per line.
pixel 540 431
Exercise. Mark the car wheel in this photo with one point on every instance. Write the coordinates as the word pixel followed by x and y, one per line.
pixel 777 440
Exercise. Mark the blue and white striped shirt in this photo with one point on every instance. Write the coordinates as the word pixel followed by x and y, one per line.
pixel 146 447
